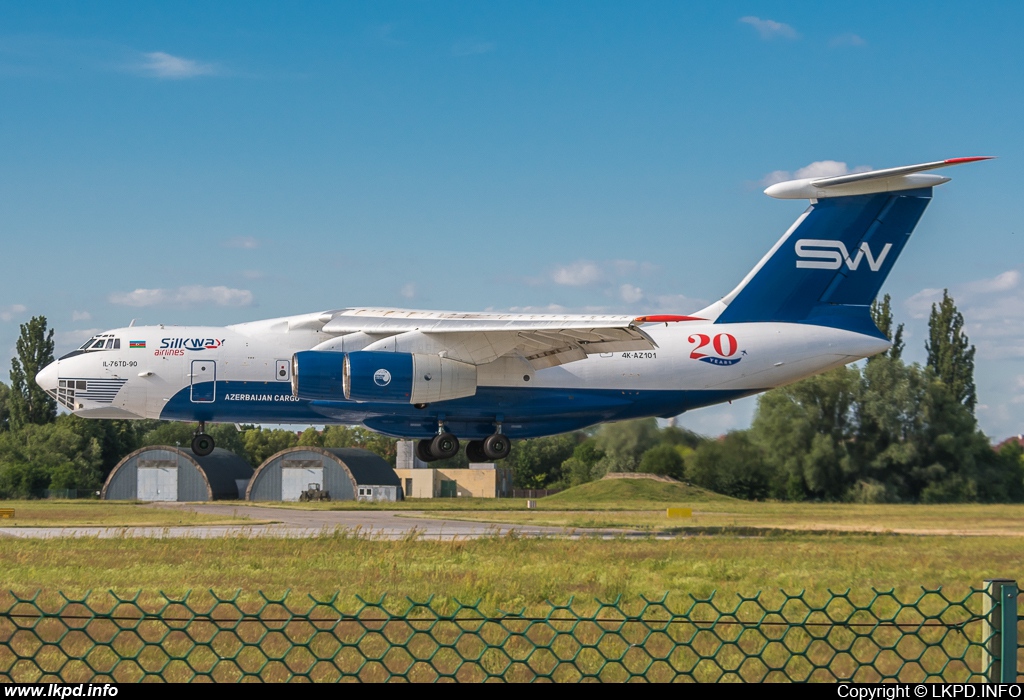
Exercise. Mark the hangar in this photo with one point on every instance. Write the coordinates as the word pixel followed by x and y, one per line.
pixel 346 473
pixel 164 473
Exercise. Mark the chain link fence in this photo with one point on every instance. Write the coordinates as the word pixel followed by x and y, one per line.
pixel 876 635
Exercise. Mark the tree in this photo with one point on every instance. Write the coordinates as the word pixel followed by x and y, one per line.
pixel 28 403
pixel 624 443
pixel 537 463
pixel 580 468
pixel 950 354
pixel 663 460
pixel 804 432
pixel 260 444
pixel 55 456
pixel 5 411
pixel 731 466
pixel 311 437
pixel 881 314
pixel 366 439
pixel 891 409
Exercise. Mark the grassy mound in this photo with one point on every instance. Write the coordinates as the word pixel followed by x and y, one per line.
pixel 631 492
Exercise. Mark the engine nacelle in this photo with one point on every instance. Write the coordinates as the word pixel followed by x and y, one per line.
pixel 399 377
pixel 385 377
pixel 318 375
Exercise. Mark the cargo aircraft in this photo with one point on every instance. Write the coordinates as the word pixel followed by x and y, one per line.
pixel 440 376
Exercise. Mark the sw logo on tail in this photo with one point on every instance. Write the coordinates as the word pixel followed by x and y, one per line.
pixel 835 254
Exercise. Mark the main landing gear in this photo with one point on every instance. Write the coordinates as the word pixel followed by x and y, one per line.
pixel 202 444
pixel 490 449
pixel 445 445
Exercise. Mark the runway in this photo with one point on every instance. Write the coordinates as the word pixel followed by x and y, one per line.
pixel 298 523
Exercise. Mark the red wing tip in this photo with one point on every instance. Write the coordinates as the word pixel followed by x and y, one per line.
pixel 665 318
pixel 954 161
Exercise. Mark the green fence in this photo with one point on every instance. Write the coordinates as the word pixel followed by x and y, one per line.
pixel 770 636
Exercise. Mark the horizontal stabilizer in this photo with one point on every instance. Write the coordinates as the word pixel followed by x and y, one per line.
pixel 906 177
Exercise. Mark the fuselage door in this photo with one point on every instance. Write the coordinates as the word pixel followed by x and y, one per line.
pixel 204 381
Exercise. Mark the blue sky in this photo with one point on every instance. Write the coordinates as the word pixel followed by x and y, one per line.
pixel 218 162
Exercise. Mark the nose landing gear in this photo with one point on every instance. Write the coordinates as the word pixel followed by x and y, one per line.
pixel 202 444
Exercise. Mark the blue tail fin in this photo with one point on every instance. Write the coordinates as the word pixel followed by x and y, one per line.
pixel 828 268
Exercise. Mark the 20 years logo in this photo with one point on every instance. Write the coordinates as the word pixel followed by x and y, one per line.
pixel 724 345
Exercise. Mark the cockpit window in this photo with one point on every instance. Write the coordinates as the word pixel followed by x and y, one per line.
pixel 101 342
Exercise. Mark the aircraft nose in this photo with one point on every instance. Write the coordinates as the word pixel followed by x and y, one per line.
pixel 47 376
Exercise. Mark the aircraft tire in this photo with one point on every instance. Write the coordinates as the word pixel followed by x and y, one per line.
pixel 497 447
pixel 444 446
pixel 423 451
pixel 475 451
pixel 202 444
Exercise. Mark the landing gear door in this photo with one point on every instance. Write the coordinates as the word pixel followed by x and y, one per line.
pixel 204 381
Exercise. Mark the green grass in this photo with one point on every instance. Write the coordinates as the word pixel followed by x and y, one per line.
pixel 76 513
pixel 640 504
pixel 507 572
pixel 630 494
pixel 609 494
pixel 740 517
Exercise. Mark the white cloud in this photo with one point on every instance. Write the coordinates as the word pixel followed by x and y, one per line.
pixel 587 272
pixel 408 290
pixel 819 168
pixel 769 28
pixel 775 176
pixel 244 242
pixel 630 294
pixel 471 47
pixel 920 304
pixel 847 39
pixel 191 295
pixel 676 304
pixel 578 274
pixel 7 313
pixel 549 309
pixel 158 64
pixel 1018 386
pixel 81 316
pixel 66 341
pixel 993 311
pixel 1002 282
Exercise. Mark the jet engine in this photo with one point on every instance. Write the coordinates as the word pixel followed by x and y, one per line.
pixel 385 377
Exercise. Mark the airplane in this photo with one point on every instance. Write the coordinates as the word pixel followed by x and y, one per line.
pixel 439 376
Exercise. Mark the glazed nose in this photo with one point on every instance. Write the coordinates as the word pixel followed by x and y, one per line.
pixel 47 376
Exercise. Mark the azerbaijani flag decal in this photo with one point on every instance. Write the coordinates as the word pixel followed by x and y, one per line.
pixel 136 343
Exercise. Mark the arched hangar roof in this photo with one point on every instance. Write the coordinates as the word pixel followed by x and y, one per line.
pixel 209 478
pixel 347 468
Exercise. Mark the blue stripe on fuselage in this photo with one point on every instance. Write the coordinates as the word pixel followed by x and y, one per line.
pixel 524 412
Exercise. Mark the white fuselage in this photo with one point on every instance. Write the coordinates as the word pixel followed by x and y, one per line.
pixel 242 373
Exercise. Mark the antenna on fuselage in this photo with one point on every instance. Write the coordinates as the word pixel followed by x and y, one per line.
pixel 132 323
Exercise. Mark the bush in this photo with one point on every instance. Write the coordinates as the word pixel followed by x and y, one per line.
pixel 732 466
pixel 663 460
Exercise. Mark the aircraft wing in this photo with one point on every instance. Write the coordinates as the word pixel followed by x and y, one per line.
pixel 544 340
